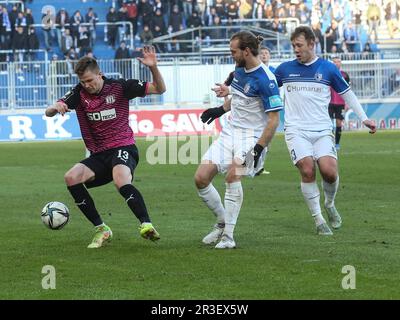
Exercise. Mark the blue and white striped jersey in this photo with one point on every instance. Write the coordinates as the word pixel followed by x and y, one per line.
pixel 306 89
pixel 255 92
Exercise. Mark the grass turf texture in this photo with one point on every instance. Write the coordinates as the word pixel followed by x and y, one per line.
pixel 279 256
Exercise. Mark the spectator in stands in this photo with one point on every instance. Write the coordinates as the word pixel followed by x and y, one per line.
pixel 318 47
pixel 112 28
pixel 194 21
pixel 337 14
pixel 83 41
pixel 62 21
pixel 245 10
pixel 21 22
pixel 350 36
pixel 367 53
pixel 145 12
pixel 92 19
pixel 132 13
pixel 331 35
pixel 373 18
pixel 19 42
pixel 122 52
pixel 232 10
pixel 67 42
pixel 392 11
pixel 123 67
pixel 303 13
pixel 75 22
pixel 209 16
pixel 259 9
pixel 188 7
pixel 220 9
pixel 277 25
pixel 5 28
pixel 146 36
pixel 32 44
pixel 175 19
pixel 216 34
pixel 13 17
pixel 357 14
pixel 29 17
pixel 70 58
pixel 316 28
pixel 158 20
pixel 48 20
pixel 123 29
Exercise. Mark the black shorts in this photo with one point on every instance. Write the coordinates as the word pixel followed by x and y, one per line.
pixel 336 111
pixel 102 163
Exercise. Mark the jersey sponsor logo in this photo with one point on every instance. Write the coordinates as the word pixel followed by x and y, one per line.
pixel 275 101
pixel 294 75
pixel 110 99
pixel 102 115
pixel 318 76
pixel 293 88
pixel 140 83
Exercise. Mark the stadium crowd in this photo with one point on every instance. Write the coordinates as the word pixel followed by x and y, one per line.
pixel 338 24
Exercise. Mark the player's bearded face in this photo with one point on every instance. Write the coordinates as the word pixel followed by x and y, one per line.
pixel 237 53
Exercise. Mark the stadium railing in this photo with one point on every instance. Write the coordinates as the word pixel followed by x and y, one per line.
pixel 36 84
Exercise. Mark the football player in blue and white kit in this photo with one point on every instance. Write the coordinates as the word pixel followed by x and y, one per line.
pixel 242 145
pixel 306 83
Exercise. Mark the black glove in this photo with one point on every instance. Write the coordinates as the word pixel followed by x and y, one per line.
pixel 211 114
pixel 257 151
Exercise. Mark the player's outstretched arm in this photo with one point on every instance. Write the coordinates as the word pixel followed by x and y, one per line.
pixel 58 107
pixel 150 59
pixel 351 100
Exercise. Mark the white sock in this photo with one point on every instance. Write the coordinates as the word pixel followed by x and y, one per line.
pixel 233 203
pixel 311 196
pixel 212 199
pixel 330 190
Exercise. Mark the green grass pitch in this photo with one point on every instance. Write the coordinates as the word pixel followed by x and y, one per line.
pixel 279 256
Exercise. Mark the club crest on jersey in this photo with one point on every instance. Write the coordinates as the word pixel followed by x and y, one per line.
pixel 318 76
pixel 110 99
pixel 246 88
pixel 271 85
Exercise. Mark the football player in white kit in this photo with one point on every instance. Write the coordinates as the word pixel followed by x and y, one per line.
pixel 306 83
pixel 241 147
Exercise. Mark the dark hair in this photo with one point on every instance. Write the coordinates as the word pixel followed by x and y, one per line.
pixel 305 31
pixel 248 40
pixel 265 48
pixel 86 64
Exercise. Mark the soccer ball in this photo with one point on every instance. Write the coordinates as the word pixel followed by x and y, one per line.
pixel 55 215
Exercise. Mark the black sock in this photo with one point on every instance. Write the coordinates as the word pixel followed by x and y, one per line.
pixel 338 134
pixel 85 203
pixel 135 202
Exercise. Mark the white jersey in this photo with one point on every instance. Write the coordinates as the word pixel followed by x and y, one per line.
pixel 307 94
pixel 254 93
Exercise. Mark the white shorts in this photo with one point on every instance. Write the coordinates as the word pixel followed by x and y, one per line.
pixel 314 144
pixel 235 143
